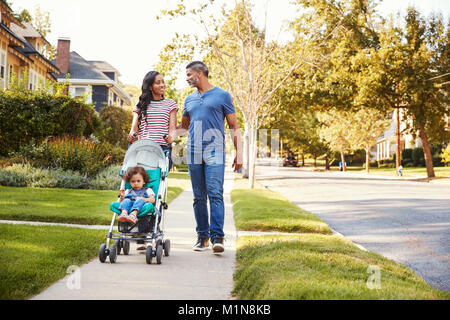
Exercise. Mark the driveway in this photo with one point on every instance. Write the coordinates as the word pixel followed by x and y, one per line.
pixel 405 221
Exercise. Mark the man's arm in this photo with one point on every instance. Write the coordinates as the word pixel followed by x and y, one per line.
pixel 236 137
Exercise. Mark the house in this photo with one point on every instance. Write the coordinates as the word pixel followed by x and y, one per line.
pixel 98 80
pixel 22 48
pixel 386 145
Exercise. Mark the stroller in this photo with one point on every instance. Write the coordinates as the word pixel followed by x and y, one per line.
pixel 150 225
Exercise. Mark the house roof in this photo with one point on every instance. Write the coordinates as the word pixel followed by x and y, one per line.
pixel 79 68
pixel 28 49
pixel 28 32
pixel 83 71
pixel 104 66
pixel 19 40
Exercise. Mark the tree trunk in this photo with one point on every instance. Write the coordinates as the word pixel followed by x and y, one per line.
pixel 315 161
pixel 344 167
pixel 246 152
pixel 367 159
pixel 327 162
pixel 252 157
pixel 303 160
pixel 426 151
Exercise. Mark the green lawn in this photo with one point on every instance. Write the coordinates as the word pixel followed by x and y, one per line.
pixel 265 210
pixel 179 175
pixel 320 267
pixel 416 172
pixel 61 205
pixel 34 257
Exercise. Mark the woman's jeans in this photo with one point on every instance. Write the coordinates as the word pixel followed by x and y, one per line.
pixel 207 182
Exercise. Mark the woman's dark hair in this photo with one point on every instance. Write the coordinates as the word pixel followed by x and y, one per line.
pixel 146 96
pixel 137 170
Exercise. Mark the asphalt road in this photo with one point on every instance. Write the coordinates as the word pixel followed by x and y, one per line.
pixel 406 221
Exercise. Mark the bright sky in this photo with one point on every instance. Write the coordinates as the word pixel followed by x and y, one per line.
pixel 127 35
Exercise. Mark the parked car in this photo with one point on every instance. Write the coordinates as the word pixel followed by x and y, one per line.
pixel 290 161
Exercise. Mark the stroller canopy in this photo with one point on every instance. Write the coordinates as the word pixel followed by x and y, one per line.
pixel 145 153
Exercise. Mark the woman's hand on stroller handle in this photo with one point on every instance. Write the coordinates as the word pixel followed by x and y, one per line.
pixel 132 137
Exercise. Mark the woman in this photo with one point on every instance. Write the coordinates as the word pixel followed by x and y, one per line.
pixel 155 117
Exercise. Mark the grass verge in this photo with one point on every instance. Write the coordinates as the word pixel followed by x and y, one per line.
pixel 88 207
pixel 413 172
pixel 265 210
pixel 34 257
pixel 319 267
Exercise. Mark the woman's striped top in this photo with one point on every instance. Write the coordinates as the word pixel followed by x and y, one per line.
pixel 156 124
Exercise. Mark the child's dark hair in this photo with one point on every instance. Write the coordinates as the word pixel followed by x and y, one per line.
pixel 137 170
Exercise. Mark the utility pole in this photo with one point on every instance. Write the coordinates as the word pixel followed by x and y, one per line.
pixel 398 159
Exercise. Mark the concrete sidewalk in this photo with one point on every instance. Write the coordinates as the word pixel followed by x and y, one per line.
pixel 184 275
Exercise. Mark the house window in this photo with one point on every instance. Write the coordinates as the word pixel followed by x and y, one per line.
pixel 32 79
pixel 2 69
pixel 79 91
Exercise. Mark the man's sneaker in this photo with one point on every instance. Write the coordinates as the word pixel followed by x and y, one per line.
pixel 218 245
pixel 202 244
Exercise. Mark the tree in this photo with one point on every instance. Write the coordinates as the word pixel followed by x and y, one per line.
pixel 335 131
pixel 368 125
pixel 42 21
pixel 250 68
pixel 24 16
pixel 407 71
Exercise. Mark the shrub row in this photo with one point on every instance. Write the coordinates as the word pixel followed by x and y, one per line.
pixel 27 116
pixel 414 157
pixel 85 156
pixel 25 175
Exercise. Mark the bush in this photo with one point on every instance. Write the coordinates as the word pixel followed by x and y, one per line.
pixel 445 155
pixel 75 154
pixel 116 124
pixel 407 155
pixel 25 175
pixel 107 179
pixel 418 157
pixel 27 115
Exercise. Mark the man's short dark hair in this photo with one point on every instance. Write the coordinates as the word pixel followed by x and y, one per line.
pixel 199 66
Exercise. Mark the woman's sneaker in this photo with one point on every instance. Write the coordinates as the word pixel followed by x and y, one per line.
pixel 218 245
pixel 202 244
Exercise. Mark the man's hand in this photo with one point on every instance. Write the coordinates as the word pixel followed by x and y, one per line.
pixel 168 139
pixel 236 138
pixel 237 164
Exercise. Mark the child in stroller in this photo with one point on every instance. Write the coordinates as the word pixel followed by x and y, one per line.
pixel 134 199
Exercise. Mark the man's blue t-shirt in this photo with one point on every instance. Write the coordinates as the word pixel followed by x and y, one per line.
pixel 207 114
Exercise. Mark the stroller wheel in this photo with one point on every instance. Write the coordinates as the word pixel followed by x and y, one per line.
pixel 102 254
pixel 126 247
pixel 149 254
pixel 113 253
pixel 166 246
pixel 119 246
pixel 159 253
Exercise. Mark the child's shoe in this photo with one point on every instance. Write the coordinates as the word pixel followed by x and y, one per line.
pixel 123 217
pixel 132 217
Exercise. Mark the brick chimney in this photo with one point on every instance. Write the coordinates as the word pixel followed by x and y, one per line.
pixel 63 55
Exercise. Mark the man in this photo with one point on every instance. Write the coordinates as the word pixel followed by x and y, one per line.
pixel 204 114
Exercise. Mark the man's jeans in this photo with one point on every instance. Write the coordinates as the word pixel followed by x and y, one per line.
pixel 207 182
